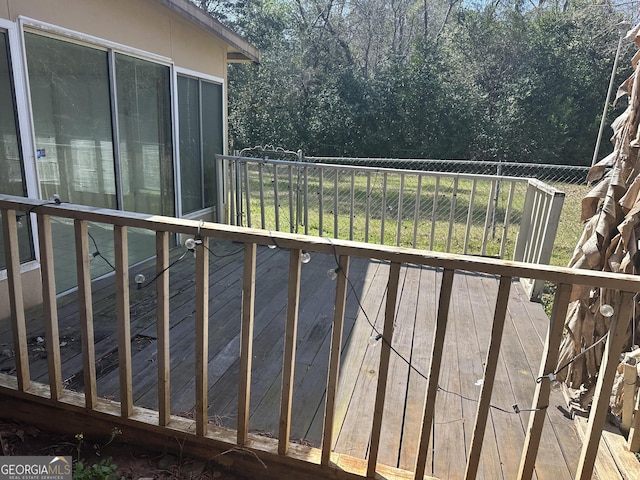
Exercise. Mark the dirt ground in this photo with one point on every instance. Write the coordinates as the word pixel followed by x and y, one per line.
pixel 111 460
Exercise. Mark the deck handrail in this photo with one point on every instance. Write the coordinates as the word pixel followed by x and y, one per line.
pixel 282 451
pixel 501 216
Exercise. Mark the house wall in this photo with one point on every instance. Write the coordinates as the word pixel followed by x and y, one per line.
pixel 143 24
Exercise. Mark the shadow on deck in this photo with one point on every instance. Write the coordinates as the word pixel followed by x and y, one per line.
pixel 470 320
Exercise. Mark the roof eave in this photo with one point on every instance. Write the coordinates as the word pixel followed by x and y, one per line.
pixel 242 50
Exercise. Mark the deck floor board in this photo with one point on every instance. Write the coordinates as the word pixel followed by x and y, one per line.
pixel 466 344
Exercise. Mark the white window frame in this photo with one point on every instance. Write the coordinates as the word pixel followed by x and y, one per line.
pixel 185 72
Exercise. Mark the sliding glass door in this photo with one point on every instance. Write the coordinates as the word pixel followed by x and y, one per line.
pixel 11 165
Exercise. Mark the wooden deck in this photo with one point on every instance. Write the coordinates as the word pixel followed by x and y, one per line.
pixel 469 328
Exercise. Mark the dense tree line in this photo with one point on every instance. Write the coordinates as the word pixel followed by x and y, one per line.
pixel 504 80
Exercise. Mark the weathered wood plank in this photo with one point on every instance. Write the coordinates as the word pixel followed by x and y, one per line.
pixel 16 303
pixel 86 312
pixel 246 342
pixel 123 319
pixel 202 335
pixel 50 308
pixel 163 328
pixel 383 370
pixel 434 371
pixel 541 397
pixel 334 362
pixel 290 339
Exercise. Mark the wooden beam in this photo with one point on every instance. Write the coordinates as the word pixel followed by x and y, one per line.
pixel 202 335
pixel 600 403
pixel 491 363
pixel 334 359
pixel 49 305
pixel 630 380
pixel 291 330
pixel 543 387
pixel 383 369
pixel 246 341
pixel 259 459
pixel 121 250
pixel 85 303
pixel 162 327
pixel 434 371
pixel 16 302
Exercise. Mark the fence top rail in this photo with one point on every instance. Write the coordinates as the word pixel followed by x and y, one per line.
pixel 361 168
pixel 545 187
pixel 454 161
pixel 325 245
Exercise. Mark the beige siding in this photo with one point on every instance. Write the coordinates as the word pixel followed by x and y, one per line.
pixel 142 24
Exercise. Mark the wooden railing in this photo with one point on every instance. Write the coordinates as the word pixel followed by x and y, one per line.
pixel 447 212
pixel 280 455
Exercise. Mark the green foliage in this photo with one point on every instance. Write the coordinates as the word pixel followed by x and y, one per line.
pixel 491 81
pixel 105 469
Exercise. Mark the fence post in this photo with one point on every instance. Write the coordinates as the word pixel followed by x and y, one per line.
pixel 298 199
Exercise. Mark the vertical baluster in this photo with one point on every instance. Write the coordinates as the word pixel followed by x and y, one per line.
pixel 49 305
pixel 416 215
pixel 202 335
pixel 367 212
pixel 383 212
pixel 261 180
pixel 452 212
pixel 292 219
pixel 247 193
pixel 275 198
pixel 383 370
pixel 434 212
pixel 487 220
pixel 434 371
pixel 334 359
pixel 543 388
pixel 306 200
pixel 491 363
pixel 16 302
pixel 246 342
pixel 121 250
pixel 472 198
pixel 85 312
pixel 400 201
pixel 335 203
pixel 507 220
pixel 320 201
pixel 291 329
pixel 351 202
pixel 162 327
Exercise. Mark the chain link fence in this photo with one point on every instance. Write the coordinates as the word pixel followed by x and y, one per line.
pixel 369 198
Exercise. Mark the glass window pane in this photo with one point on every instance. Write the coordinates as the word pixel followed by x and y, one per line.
pixel 72 120
pixel 189 125
pixel 211 137
pixel 144 122
pixel 12 176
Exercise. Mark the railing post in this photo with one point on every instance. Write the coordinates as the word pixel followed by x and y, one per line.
pixel 16 303
pixel 525 224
